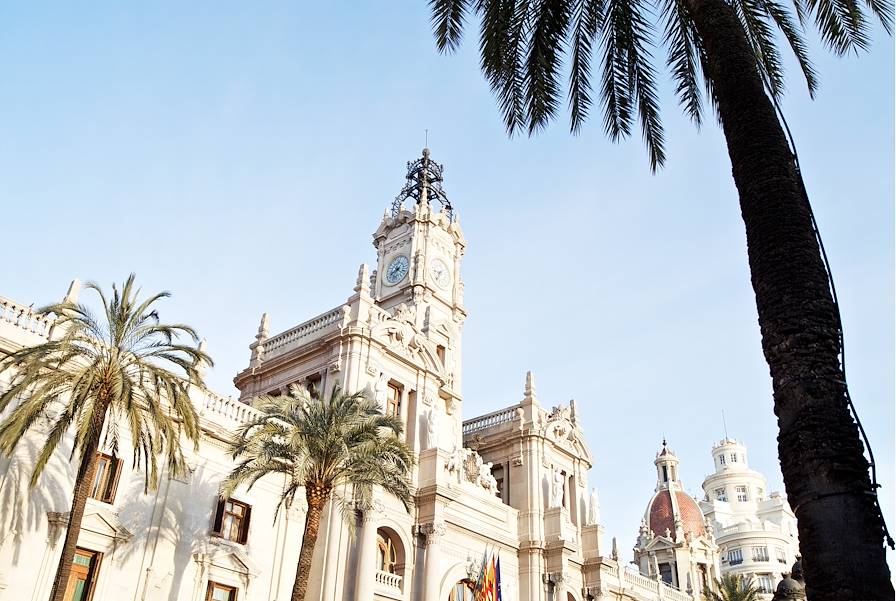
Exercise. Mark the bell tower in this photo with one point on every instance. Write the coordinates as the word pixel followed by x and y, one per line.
pixel 419 246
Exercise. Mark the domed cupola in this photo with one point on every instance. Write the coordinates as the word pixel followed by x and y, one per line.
pixel 672 513
pixel 673 542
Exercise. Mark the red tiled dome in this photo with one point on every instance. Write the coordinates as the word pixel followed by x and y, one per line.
pixel 660 515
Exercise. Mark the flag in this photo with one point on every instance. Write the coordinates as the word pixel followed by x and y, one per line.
pixel 498 579
pixel 480 580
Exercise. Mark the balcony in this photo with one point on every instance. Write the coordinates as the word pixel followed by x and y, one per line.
pixel 387 585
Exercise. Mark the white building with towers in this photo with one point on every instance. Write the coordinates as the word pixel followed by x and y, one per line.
pixel 755 530
pixel 513 482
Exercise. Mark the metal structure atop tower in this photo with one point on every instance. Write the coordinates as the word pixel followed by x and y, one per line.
pixel 424 183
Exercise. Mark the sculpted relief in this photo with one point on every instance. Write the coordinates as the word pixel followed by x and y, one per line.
pixel 399 331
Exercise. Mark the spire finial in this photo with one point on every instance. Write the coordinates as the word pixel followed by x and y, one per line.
pixel 529 391
pixel 263 327
pixel 74 289
pixel 423 184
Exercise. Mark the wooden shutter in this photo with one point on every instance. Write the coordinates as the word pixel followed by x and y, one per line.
pixel 244 531
pixel 112 481
pixel 219 516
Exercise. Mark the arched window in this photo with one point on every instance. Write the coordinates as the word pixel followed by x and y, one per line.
pixel 385 553
pixel 462 591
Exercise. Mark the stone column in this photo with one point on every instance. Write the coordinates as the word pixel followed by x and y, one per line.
pixel 432 570
pixel 364 577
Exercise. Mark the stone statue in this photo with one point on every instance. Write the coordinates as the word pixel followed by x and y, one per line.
pixel 380 390
pixel 557 489
pixel 433 417
pixel 486 480
pixel 593 508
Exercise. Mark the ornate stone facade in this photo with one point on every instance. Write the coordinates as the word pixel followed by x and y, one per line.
pixel 513 482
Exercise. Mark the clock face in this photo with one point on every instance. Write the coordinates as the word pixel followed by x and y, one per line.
pixel 439 273
pixel 397 269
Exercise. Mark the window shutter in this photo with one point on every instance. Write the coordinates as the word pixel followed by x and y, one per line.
pixel 112 481
pixel 219 515
pixel 244 531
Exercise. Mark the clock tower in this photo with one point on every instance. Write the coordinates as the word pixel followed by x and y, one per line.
pixel 419 247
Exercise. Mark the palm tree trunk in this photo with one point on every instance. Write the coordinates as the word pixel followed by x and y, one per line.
pixel 317 498
pixel 821 455
pixel 83 483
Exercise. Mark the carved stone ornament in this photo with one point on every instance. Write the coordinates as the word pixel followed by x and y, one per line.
pixel 432 531
pixel 399 332
pixel 555 578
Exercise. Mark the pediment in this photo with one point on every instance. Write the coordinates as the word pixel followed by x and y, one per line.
pixel 659 543
pixel 564 433
pixel 224 555
pixel 104 523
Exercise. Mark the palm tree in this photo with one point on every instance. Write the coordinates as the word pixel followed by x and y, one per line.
pixel 733 587
pixel 322 445
pixel 95 377
pixel 730 46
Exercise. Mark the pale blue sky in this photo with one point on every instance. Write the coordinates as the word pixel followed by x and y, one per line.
pixel 241 155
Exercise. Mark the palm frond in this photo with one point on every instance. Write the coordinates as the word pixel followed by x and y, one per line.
pixel 541 82
pixel 585 27
pixel 680 36
pixel 125 367
pixel 342 441
pixel 448 22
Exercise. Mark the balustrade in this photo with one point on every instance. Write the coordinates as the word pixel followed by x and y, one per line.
pixel 490 420
pixel 279 343
pixel 229 408
pixel 388 580
pixel 25 318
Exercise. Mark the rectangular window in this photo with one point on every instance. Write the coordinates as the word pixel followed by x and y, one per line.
pixel 735 557
pixel 760 553
pixel 105 481
pixel 440 352
pixel 393 401
pixel 733 457
pixel 721 495
pixel 666 573
pixel 780 555
pixel 220 592
pixel 741 493
pixel 82 578
pixel 764 583
pixel 722 459
pixel 760 494
pixel 232 520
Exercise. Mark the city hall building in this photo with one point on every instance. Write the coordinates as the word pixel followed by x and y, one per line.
pixel 511 484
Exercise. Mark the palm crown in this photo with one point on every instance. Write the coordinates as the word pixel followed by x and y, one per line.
pixel 733 587
pixel 117 370
pixel 321 444
pixel 522 43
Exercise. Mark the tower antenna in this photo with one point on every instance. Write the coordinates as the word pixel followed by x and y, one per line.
pixel 426 138
pixel 724 424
